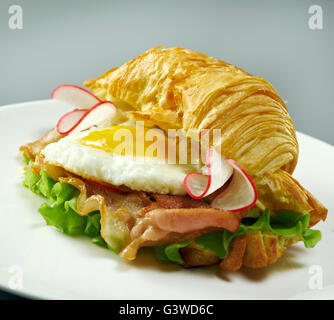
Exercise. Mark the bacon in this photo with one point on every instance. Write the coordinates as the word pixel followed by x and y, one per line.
pixel 32 149
pixel 190 219
pixel 133 220
pixel 174 202
pixel 158 225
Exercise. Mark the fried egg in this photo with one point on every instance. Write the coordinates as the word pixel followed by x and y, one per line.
pixel 109 155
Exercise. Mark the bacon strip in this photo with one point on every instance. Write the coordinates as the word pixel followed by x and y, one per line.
pixel 32 149
pixel 137 219
pixel 157 224
pixel 190 219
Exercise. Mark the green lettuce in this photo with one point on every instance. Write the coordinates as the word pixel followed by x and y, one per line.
pixel 284 223
pixel 61 209
pixel 27 161
pixel 219 241
pixel 170 252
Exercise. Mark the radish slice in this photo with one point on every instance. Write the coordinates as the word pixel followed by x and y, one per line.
pixel 103 114
pixel 75 96
pixel 240 194
pixel 199 185
pixel 70 120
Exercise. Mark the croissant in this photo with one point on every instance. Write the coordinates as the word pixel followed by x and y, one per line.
pixel 180 88
pixel 125 206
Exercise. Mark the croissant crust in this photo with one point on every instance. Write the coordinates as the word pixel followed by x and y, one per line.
pixel 180 88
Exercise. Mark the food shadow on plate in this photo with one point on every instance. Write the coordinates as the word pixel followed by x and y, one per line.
pixel 146 260
pixel 286 263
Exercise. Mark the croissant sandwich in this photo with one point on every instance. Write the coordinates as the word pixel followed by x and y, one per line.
pixel 177 151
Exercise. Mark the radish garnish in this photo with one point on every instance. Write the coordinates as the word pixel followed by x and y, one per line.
pixel 93 112
pixel 102 114
pixel 70 120
pixel 75 96
pixel 199 185
pixel 240 193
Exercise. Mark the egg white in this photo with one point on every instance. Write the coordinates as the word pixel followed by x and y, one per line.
pixel 88 162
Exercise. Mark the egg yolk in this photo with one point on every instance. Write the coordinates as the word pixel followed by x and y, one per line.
pixel 129 141
pixel 139 141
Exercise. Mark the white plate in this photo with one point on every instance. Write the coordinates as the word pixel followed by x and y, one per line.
pixel 50 264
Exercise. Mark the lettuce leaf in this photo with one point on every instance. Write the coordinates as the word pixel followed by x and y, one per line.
pixel 61 209
pixel 27 161
pixel 170 252
pixel 284 223
pixel 219 241
pixel 31 181
pixel 98 240
pixel 311 238
pixel 93 226
pixel 67 221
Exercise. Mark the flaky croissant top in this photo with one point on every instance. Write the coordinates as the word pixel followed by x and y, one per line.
pixel 180 88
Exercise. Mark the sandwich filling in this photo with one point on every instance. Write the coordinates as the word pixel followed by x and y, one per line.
pixel 100 185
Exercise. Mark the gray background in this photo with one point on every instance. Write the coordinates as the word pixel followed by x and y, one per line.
pixel 70 41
